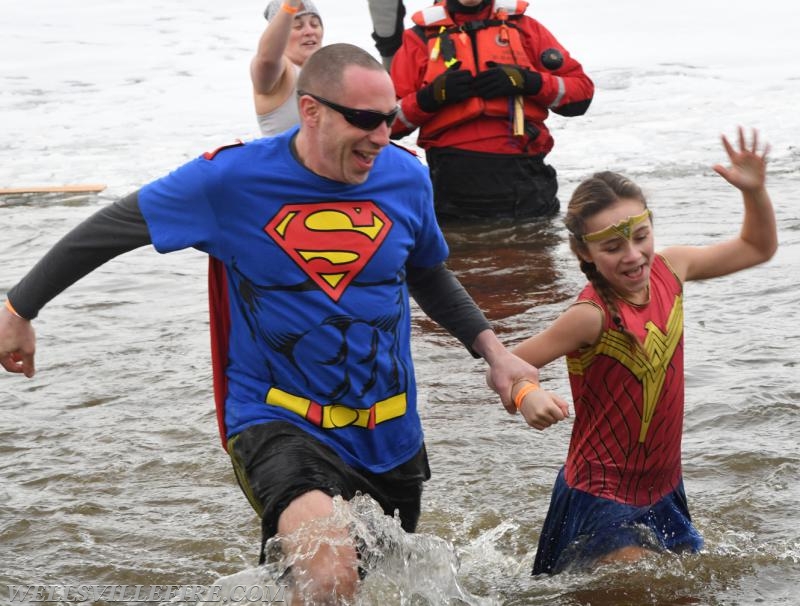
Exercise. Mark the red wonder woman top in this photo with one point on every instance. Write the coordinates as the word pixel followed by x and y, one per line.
pixel 626 440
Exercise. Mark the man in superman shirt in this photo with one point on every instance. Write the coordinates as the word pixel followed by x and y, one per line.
pixel 315 237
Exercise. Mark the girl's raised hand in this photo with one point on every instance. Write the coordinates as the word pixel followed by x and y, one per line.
pixel 748 168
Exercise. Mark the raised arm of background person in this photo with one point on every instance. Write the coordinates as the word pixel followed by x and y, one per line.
pixel 757 240
pixel 387 25
pixel 269 68
pixel 109 232
pixel 443 298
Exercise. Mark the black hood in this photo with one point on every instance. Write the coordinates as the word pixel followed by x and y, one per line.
pixel 454 6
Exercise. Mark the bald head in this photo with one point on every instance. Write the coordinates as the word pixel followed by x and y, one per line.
pixel 323 72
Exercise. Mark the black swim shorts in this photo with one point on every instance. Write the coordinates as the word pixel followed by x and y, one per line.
pixel 277 462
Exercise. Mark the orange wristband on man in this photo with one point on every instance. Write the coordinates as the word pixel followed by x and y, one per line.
pixel 10 308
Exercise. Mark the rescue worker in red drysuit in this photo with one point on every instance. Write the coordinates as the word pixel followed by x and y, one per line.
pixel 479 78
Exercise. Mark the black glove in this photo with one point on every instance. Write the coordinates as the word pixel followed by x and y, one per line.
pixel 502 80
pixel 450 87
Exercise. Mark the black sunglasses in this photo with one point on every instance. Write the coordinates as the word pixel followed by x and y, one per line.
pixel 365 119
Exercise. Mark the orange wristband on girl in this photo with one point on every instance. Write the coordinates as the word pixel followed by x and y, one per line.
pixel 531 386
pixel 289 9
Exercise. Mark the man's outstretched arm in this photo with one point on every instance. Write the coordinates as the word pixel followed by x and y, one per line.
pixel 111 231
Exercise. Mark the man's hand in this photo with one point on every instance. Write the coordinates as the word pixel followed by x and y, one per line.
pixel 17 343
pixel 508 374
pixel 503 80
pixel 450 87
pixel 505 370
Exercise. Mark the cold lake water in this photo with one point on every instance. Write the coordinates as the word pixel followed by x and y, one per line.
pixel 111 471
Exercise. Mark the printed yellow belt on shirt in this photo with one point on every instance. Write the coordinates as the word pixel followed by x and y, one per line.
pixel 336 416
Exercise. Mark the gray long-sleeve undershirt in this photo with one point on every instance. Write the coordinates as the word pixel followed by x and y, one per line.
pixel 120 227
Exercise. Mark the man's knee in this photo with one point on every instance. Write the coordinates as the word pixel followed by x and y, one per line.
pixel 309 506
pixel 319 549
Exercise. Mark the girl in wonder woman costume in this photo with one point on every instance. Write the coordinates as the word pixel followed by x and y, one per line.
pixel 620 493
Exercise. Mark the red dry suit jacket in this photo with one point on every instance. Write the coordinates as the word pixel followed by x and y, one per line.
pixel 566 90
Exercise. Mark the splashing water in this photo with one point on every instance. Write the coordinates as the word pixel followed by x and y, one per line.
pixel 405 566
pixel 397 567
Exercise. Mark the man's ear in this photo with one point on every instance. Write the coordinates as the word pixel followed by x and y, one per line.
pixel 308 109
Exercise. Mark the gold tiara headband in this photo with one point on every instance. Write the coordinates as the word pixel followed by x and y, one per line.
pixel 623 229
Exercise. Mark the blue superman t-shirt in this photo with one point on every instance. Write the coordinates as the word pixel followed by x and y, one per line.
pixel 316 299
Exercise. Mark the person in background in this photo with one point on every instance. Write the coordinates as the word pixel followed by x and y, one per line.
pixel 387 25
pixel 293 34
pixel 620 494
pixel 316 238
pixel 478 78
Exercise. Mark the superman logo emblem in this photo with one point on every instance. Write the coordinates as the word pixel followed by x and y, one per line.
pixel 330 241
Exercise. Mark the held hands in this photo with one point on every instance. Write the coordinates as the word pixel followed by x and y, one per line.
pixel 539 408
pixel 450 87
pixel 748 170
pixel 505 80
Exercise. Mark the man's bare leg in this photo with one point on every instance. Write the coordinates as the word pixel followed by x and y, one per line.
pixel 323 558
